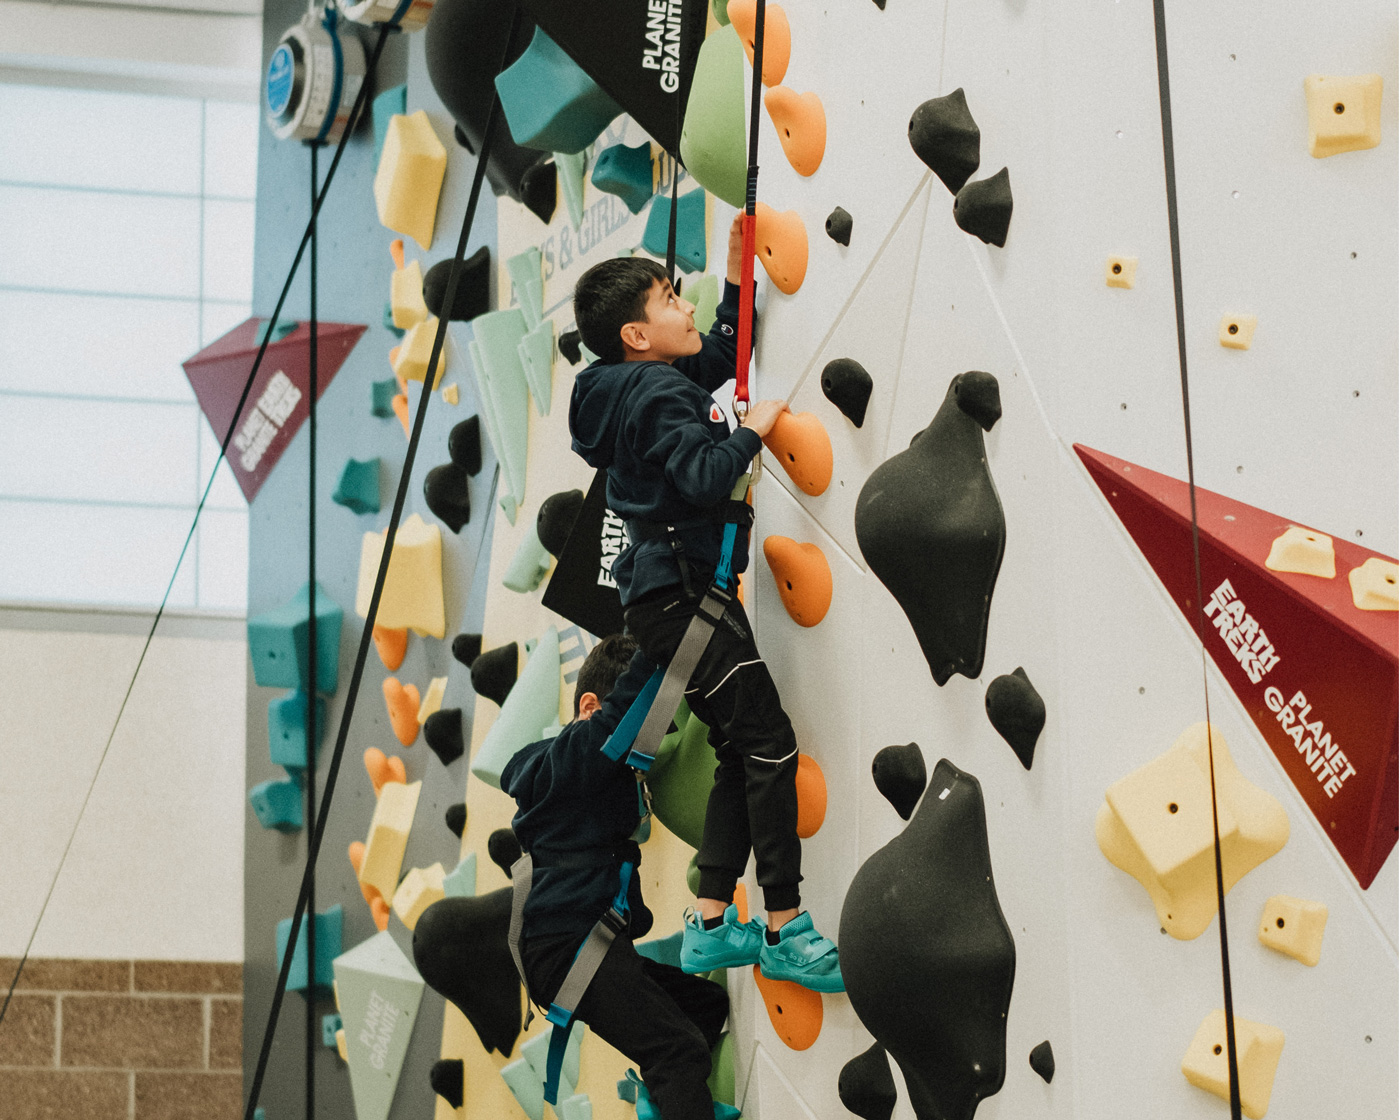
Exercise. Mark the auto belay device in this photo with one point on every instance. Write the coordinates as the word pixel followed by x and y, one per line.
pixel 313 77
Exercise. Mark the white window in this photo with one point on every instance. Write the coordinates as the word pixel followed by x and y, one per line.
pixel 126 245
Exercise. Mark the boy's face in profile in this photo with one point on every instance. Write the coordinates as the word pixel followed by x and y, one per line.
pixel 668 331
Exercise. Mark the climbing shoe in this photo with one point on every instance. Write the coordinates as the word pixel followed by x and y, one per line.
pixel 647 1110
pixel 728 945
pixel 803 956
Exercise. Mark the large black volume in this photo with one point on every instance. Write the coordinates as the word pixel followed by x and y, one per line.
pixel 930 525
pixel 866 1086
pixel 926 953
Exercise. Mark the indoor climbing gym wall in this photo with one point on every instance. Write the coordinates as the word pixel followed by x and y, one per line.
pixel 1047 648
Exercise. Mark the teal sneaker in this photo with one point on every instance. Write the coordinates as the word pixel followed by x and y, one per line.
pixel 647 1110
pixel 803 956
pixel 728 945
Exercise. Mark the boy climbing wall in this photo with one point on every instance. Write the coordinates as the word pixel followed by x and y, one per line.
pixel 644 412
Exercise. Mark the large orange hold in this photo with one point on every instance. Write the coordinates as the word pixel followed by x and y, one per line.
pixel 741 902
pixel 402 701
pixel 400 406
pixel 801 123
pixel 780 242
pixel 391 645
pixel 803 449
pixel 803 577
pixel 811 796
pixel 795 1012
pixel 777 36
pixel 382 769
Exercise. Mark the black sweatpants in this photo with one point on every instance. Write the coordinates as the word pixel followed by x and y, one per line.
pixel 660 1018
pixel 753 804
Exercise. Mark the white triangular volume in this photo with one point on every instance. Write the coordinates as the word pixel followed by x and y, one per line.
pixel 379 992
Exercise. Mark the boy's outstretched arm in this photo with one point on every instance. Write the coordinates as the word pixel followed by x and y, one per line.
pixel 714 364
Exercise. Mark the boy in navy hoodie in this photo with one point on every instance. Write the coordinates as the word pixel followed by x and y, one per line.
pixel 578 811
pixel 644 411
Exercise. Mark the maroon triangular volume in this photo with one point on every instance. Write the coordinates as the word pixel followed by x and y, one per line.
pixel 1316 674
pixel 277 405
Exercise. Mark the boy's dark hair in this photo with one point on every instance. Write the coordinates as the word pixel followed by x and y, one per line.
pixel 610 295
pixel 601 668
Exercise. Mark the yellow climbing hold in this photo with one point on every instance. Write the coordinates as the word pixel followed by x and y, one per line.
pixel 1344 114
pixel 1305 551
pixel 1294 926
pixel 409 179
pixel 1257 1046
pixel 413 590
pixel 1374 585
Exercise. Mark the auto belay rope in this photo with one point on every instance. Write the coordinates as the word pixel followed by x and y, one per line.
pixel 1169 167
pixel 746 295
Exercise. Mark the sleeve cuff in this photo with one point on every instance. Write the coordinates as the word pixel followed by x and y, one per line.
pixel 750 439
pixel 731 295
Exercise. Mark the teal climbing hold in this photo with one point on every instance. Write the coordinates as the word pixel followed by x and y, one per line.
pixel 330 925
pixel 535 1051
pixel 387 321
pixel 382 394
pixel 690 229
pixel 329 1023
pixel 704 293
pixel 286 728
pixel 392 102
pixel 712 138
pixel 495 352
pixel 571 168
pixel 625 172
pixel 549 102
pixel 278 643
pixel 277 804
pixel 531 706
pixel 663 950
pixel 537 356
pixel 577 1107
pixel 358 488
pixel 530 564
pixel 525 275
pixel 525 1086
pixel 460 882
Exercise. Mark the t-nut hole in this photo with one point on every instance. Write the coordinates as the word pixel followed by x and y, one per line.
pixel 1217 1048
pixel 1389 579
pixel 768 250
pixel 1339 108
pixel 1173 807
pixel 788 133
pixel 1117 268
pixel 789 587
pixel 1280 923
pixel 791 457
pixel 1234 328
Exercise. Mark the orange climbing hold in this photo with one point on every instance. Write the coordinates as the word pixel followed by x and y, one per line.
pixel 378 908
pixel 379 911
pixel 400 405
pixel 811 796
pixel 803 577
pixel 796 1013
pixel 391 645
pixel 741 902
pixel 403 702
pixel 800 444
pixel 777 36
pixel 382 769
pixel 801 123
pixel 780 241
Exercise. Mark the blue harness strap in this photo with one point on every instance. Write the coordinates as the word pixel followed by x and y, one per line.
pixel 626 731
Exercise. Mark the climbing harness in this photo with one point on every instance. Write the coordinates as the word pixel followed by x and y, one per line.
pixel 639 732
pixel 589 957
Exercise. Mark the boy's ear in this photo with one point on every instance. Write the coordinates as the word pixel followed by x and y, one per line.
pixel 634 337
pixel 588 703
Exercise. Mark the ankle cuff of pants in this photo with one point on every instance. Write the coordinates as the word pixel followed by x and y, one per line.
pixel 782 898
pixel 717 884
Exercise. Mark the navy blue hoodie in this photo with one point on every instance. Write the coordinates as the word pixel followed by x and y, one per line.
pixel 576 803
pixel 668 451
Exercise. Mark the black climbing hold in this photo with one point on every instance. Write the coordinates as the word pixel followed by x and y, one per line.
pixel 1043 1061
pixel 466 648
pixel 880 4
pixel 539 189
pixel 930 525
pixel 1017 712
pixel 464 45
pixel 944 135
pixel 461 138
pixel 494 672
pixel 461 950
pixel 927 956
pixel 503 848
pixel 847 386
pixel 866 1086
pixel 979 395
pixel 473 286
pixel 900 776
pixel 446 491
pixel 983 208
pixel 568 346
pixel 838 226
pixel 456 817
pixel 446 1079
pixel 556 518
pixel 443 732
pixel 464 445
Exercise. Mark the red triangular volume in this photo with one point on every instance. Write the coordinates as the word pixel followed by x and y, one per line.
pixel 277 404
pixel 1316 674
pixel 640 52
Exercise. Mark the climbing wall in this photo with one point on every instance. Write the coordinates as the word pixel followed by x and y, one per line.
pixel 1300 424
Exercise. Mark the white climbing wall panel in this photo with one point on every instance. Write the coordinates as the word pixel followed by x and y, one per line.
pixel 1302 424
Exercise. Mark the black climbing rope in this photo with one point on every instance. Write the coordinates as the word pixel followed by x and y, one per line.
pixel 313 665
pixel 1169 164
pixel 361 654
pixel 356 113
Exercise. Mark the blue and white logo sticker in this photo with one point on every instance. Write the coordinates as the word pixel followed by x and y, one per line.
pixel 279 80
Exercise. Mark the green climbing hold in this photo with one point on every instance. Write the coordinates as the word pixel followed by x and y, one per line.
pixel 382 394
pixel 537 356
pixel 533 704
pixel 721 1079
pixel 530 564
pixel 358 488
pixel 690 230
pixel 571 168
pixel 712 138
pixel 704 293
pixel 682 776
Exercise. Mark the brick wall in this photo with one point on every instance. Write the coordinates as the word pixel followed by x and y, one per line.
pixel 122 1040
